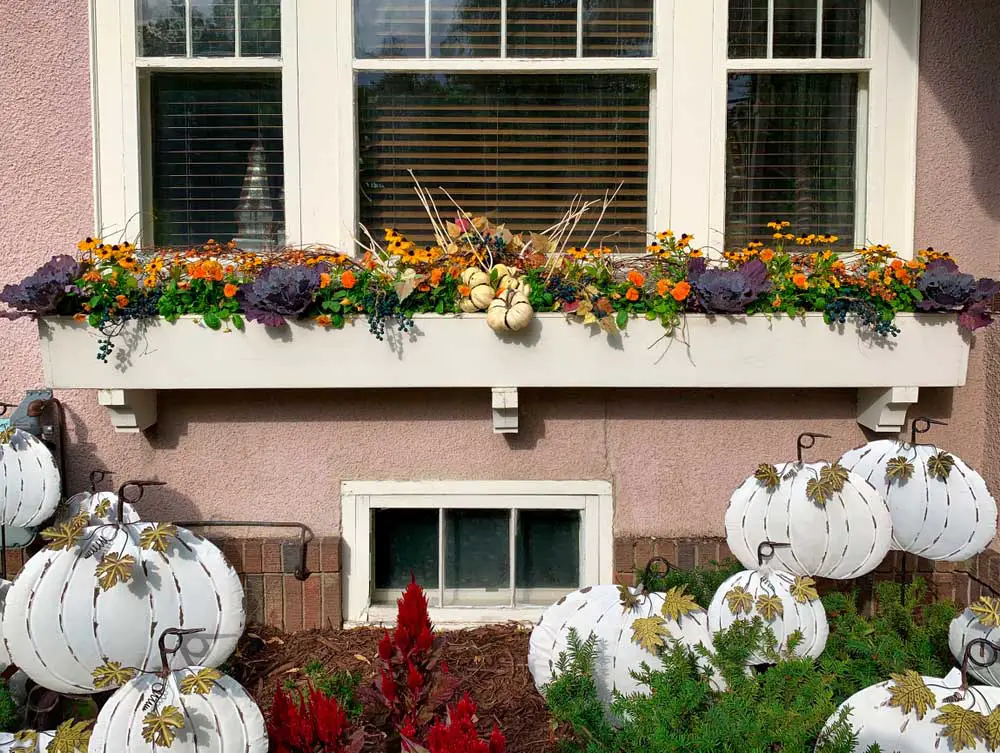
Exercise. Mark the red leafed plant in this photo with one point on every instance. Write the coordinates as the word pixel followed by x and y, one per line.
pixel 413 681
pixel 312 723
pixel 457 733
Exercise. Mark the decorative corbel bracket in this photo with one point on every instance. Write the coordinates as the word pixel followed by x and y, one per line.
pixel 505 410
pixel 883 409
pixel 131 411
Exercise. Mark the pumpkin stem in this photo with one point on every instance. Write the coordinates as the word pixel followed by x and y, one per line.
pixel 765 550
pixel 123 498
pixel 165 652
pixel 801 443
pixel 922 425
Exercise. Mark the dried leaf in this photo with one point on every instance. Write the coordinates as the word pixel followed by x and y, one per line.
pixel 991 729
pixel 407 284
pixel 770 607
pixel 628 599
pixel 200 682
pixel 159 728
pixel 909 693
pixel 584 307
pixel 940 465
pixel 608 324
pixel 114 569
pixel 768 476
pixel 961 725
pixel 650 633
pixel 157 537
pixel 740 600
pixel 899 469
pixel 677 603
pixel 804 589
pixel 834 476
pixel 590 319
pixel 541 243
pixel 111 674
pixel 454 231
pixel 819 491
pixel 987 610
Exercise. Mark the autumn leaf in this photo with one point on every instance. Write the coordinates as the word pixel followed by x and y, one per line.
pixel 608 324
pixel 834 476
pixel 819 491
pixel 157 537
pixel 961 725
pixel 627 598
pixel 769 607
pixel 7 434
pixel 200 682
pixel 804 589
pixel 649 633
pixel 991 729
pixel 908 692
pixel 159 728
pixel 899 469
pixel 111 674
pixel 28 736
pixel 677 603
pixel 407 284
pixel 940 465
pixel 62 536
pixel 454 231
pixel 102 508
pixel 768 476
pixel 114 569
pixel 71 737
pixel 987 610
pixel 740 600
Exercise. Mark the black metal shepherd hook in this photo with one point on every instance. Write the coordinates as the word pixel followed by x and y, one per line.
pixel 968 658
pixel 123 497
pixel 305 535
pixel 167 651
pixel 765 550
pixel 801 443
pixel 922 425
pixel 97 477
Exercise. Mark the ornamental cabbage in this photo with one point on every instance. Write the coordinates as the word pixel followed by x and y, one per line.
pixel 945 288
pixel 279 292
pixel 728 291
pixel 41 293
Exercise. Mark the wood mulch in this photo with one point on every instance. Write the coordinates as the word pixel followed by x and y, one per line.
pixel 490 663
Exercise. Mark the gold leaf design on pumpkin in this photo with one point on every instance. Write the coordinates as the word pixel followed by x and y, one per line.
pixel 987 611
pixel 157 537
pixel 159 728
pixel 114 569
pixel 834 476
pixel 739 599
pixel 677 603
pixel 818 490
pixel 7 434
pixel 111 674
pixel 940 465
pixel 649 633
pixel 770 607
pixel 102 508
pixel 909 693
pixel 961 725
pixel 899 469
pixel 628 599
pixel 768 476
pixel 66 535
pixel 991 729
pixel 803 589
pixel 29 737
pixel 71 737
pixel 200 682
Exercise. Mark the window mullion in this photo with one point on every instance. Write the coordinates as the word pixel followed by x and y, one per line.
pixel 237 32
pixel 188 30
pixel 513 553
pixel 441 551
pixel 503 28
pixel 819 29
pixel 427 28
pixel 579 28
pixel 770 29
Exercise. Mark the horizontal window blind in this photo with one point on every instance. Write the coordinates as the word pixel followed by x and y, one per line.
pixel 217 164
pixel 465 29
pixel 541 28
pixel 794 29
pixel 516 148
pixel 617 28
pixel 791 151
pixel 215 26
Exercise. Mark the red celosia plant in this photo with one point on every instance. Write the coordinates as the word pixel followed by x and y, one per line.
pixel 413 680
pixel 313 723
pixel 457 734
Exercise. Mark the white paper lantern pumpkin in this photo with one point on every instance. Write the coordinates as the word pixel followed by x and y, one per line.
pixel 940 507
pixel 979 621
pixel 511 311
pixel 880 715
pixel 836 523
pixel 29 480
pixel 784 602
pixel 655 617
pixel 480 290
pixel 101 595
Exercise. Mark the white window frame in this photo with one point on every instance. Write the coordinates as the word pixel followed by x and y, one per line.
pixel 359 498
pixel 688 72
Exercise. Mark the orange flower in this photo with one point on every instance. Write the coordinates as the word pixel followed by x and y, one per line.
pixel 662 287
pixel 230 290
pixel 636 278
pixel 92 276
pixel 632 294
pixel 800 281
pixel 348 280
pixel 121 300
pixel 324 279
pixel 79 317
pixel 681 290
pixel 766 255
pixel 896 264
pixel 436 275
pixel 323 320
pixel 454 272
pixel 423 287
pixel 464 290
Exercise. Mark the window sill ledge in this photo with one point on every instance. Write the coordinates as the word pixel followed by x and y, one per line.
pixel 461 352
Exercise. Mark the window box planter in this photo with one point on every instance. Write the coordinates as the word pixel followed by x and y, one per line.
pixel 460 351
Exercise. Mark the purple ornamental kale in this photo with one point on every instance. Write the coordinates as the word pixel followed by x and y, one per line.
pixel 728 291
pixel 40 293
pixel 279 292
pixel 945 288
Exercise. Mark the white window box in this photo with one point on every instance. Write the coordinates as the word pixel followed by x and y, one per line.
pixel 460 351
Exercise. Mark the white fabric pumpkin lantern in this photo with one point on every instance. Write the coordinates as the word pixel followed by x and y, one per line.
pixel 84 601
pixel 29 480
pixel 190 710
pixel 940 507
pixel 980 621
pixel 480 290
pixel 836 523
pixel 785 603
pixel 4 654
pixel 511 311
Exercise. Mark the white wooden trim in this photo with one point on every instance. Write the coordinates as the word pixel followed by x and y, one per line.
pixel 661 118
pixel 798 65
pixel 291 116
pixel 211 64
pixel 453 618
pixel 465 488
pixel 505 65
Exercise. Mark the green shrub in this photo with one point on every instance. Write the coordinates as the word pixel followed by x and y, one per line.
pixel 701 582
pixel 342 686
pixel 10 720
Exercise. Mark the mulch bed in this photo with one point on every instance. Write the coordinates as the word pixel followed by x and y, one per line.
pixel 490 663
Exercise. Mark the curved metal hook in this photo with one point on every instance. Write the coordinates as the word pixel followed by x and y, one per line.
pixel 812 437
pixel 165 652
pixel 922 425
pixel 648 572
pixel 4 406
pixel 97 477
pixel 765 550
pixel 123 497
pixel 968 658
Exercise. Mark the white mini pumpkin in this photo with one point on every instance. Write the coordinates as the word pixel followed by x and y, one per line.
pixel 481 292
pixel 836 523
pixel 940 507
pixel 29 480
pixel 979 621
pixel 511 311
pixel 97 593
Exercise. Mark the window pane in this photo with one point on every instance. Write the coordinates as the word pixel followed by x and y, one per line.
pixel 260 28
pixel 389 28
pixel 791 149
pixel 844 28
pixel 515 148
pixel 465 28
pixel 213 28
pixel 406 541
pixel 748 28
pixel 217 159
pixel 618 28
pixel 161 28
pixel 794 28
pixel 541 28
pixel 548 549
pixel 477 549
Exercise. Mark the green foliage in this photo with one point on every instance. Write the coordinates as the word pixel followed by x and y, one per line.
pixel 701 582
pixel 10 720
pixel 342 686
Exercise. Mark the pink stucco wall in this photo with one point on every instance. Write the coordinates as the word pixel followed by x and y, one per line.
pixel 674 456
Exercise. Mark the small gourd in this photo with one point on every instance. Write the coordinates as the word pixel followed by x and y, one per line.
pixel 511 311
pixel 480 290
pixel 29 480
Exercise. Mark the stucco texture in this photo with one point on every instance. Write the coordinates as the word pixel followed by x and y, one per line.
pixel 674 456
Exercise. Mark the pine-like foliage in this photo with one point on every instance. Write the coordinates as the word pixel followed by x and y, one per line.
pixel 701 582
